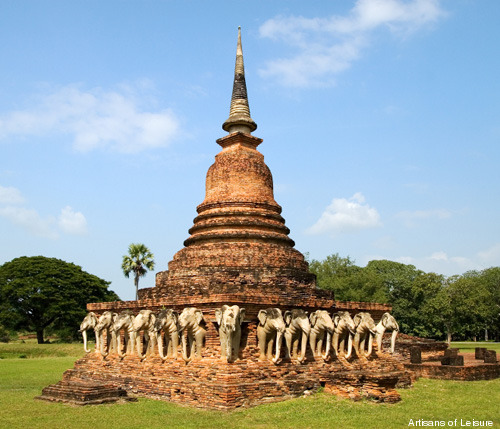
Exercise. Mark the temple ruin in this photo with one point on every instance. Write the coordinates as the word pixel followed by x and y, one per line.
pixel 239 254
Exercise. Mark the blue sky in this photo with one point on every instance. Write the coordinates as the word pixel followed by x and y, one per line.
pixel 380 120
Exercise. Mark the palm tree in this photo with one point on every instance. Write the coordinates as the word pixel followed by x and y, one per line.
pixel 139 260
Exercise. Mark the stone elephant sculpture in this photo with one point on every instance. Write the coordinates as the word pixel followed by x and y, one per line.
pixel 124 321
pixel 365 331
pixel 229 319
pixel 343 333
pixel 270 332
pixel 89 322
pixel 167 327
pixel 144 322
pixel 104 326
pixel 387 322
pixel 191 321
pixel 298 328
pixel 321 327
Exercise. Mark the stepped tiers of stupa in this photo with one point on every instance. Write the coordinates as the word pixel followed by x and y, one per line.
pixel 239 254
pixel 239 244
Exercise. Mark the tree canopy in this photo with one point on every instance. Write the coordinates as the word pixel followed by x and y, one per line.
pixel 37 293
pixel 138 261
pixel 425 304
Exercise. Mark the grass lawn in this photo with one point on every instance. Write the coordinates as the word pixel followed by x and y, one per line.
pixel 23 379
pixel 469 346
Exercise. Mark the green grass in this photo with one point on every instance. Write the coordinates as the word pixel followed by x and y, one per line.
pixel 30 349
pixel 23 379
pixel 469 346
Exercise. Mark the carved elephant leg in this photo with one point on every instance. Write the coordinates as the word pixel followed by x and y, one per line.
pixel 270 346
pixel 173 345
pixel 303 347
pixel 199 343
pixel 289 344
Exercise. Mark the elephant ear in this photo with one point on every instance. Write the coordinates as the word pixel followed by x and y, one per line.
pixel 198 316
pixel 288 317
pixel 262 316
pixel 152 319
pixel 385 319
pixel 218 315
pixel 313 318
pixel 175 316
pixel 242 315
pixel 357 319
pixel 336 318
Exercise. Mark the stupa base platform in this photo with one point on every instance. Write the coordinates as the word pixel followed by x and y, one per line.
pixel 213 384
pixel 84 392
pixel 471 370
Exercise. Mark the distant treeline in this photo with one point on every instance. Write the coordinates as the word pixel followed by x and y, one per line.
pixel 465 307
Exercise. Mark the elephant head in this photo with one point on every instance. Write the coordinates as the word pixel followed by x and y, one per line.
pixel 125 321
pixel 297 330
pixel 388 322
pixel 343 334
pixel 145 322
pixel 365 331
pixel 104 324
pixel 89 322
pixel 270 330
pixel 167 324
pixel 321 326
pixel 229 319
pixel 191 320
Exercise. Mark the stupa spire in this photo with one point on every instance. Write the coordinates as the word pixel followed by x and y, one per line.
pixel 239 112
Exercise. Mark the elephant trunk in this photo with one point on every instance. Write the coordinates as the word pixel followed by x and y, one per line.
pixel 393 340
pixel 105 345
pixel 97 345
pixel 328 344
pixel 349 346
pixel 84 335
pixel 379 337
pixel 279 339
pixel 229 346
pixel 186 358
pixel 159 340
pixel 138 342
pixel 119 345
pixel 370 344
pixel 303 347
pixel 356 344
pixel 336 343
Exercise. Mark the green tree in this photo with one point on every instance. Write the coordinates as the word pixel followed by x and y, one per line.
pixel 490 279
pixel 37 293
pixel 347 280
pixel 138 261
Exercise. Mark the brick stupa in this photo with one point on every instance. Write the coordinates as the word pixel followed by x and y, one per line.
pixel 238 253
pixel 239 243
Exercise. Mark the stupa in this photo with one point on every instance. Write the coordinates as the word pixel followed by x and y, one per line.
pixel 238 253
pixel 239 243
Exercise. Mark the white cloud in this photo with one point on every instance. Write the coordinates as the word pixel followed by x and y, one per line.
pixel 327 46
pixel 72 222
pixel 94 119
pixel 346 215
pixel 410 218
pixel 490 257
pixel 12 208
pixel 30 220
pixel 9 195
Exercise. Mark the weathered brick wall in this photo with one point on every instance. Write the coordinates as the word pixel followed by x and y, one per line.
pixel 211 383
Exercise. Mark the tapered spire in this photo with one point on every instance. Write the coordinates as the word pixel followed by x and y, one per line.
pixel 239 112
